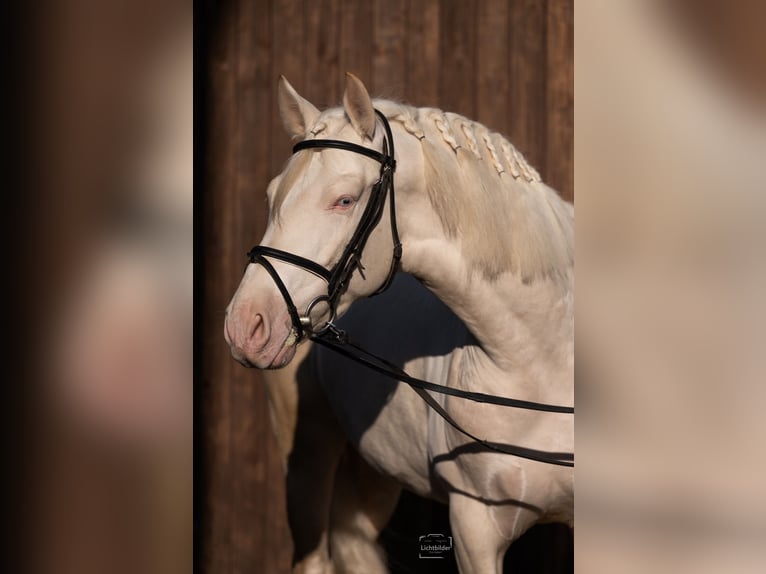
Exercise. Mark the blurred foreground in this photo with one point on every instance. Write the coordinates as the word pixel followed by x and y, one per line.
pixel 671 317
pixel 112 488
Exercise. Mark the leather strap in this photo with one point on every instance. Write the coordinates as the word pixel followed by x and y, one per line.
pixel 287 257
pixel 338 341
pixel 345 146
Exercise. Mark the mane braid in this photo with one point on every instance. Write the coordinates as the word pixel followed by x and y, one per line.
pixel 488 196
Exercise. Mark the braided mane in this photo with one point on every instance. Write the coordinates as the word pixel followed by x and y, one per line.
pixel 486 193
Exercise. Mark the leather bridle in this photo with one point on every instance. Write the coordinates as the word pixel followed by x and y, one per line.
pixel 339 276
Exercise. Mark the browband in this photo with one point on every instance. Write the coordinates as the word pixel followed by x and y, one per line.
pixel 346 146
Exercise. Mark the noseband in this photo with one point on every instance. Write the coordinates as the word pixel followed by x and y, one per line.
pixel 339 276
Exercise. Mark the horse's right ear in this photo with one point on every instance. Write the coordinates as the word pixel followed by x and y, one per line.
pixel 298 114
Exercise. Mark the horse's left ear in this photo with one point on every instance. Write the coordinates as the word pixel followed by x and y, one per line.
pixel 358 106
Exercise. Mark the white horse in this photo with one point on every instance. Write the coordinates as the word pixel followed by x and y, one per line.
pixel 492 242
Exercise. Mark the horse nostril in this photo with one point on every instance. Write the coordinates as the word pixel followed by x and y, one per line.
pixel 259 333
pixel 226 333
pixel 256 324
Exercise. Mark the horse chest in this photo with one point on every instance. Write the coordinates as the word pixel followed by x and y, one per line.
pixel 386 421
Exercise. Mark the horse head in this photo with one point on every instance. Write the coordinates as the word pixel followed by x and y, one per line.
pixel 323 247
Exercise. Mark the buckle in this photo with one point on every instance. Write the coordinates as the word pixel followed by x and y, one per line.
pixel 338 334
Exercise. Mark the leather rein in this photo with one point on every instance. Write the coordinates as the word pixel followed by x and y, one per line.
pixel 338 278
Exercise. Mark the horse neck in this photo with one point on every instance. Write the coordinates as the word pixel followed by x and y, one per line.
pixel 517 321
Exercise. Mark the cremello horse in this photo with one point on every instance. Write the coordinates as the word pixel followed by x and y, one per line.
pixel 495 245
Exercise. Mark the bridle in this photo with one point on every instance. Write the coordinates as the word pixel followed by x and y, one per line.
pixel 339 276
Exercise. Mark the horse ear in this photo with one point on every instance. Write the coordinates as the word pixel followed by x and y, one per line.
pixel 358 106
pixel 298 114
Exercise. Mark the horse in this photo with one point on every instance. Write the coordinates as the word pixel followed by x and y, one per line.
pixel 491 244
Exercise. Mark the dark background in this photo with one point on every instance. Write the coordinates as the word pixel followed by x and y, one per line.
pixel 507 64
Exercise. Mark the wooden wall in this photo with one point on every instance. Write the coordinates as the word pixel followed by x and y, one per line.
pixel 507 64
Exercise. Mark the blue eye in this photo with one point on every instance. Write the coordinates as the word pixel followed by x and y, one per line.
pixel 345 202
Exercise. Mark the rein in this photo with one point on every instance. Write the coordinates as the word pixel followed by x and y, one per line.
pixel 337 340
pixel 338 278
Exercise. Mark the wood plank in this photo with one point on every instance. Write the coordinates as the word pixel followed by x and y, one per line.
pixel 458 56
pixel 492 82
pixel 245 511
pixel 220 184
pixel 257 543
pixel 560 97
pixel 527 76
pixel 275 546
pixel 322 62
pixel 356 20
pixel 389 48
pixel 422 63
pixel 257 105
pixel 288 37
pixel 242 535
